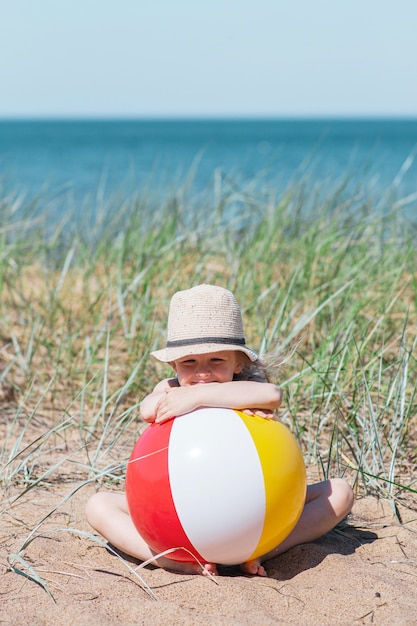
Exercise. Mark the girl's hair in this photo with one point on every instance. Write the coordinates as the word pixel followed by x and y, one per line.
pixel 255 371
pixel 268 369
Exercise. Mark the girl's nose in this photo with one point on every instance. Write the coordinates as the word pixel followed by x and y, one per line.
pixel 203 372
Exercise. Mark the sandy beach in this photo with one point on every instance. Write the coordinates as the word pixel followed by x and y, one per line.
pixel 362 573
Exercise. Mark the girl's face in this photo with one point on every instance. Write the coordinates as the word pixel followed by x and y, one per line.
pixel 216 367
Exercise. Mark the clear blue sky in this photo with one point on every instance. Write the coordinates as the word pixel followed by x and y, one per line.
pixel 199 58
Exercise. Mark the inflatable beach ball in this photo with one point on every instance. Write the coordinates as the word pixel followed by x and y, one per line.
pixel 217 484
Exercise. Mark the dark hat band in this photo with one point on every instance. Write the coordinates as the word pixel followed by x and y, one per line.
pixel 238 341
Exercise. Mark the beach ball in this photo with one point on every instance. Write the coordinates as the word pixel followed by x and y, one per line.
pixel 217 484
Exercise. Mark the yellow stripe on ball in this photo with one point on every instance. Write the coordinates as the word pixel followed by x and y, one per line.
pixel 284 476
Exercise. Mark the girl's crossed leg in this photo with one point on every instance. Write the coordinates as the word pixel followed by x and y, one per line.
pixel 327 503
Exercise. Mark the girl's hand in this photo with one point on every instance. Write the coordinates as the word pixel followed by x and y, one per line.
pixel 176 401
pixel 265 413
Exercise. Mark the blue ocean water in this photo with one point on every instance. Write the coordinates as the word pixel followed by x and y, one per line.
pixel 159 155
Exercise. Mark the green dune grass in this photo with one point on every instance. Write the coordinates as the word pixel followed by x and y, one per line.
pixel 332 294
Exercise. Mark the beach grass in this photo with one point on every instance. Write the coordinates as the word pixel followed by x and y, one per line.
pixel 332 293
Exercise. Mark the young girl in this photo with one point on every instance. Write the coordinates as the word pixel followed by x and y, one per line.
pixel 214 368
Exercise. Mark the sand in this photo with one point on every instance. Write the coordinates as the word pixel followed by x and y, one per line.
pixel 363 573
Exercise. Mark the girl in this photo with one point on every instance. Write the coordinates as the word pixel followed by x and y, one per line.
pixel 214 368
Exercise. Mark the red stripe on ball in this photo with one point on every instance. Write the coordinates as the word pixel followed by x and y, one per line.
pixel 149 497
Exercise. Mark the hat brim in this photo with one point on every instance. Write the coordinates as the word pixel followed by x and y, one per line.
pixel 167 355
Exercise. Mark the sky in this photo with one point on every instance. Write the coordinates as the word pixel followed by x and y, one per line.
pixel 208 58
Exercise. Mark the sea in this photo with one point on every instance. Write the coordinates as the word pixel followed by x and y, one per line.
pixel 84 158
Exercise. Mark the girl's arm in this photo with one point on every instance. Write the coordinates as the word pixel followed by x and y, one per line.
pixel 149 403
pixel 169 402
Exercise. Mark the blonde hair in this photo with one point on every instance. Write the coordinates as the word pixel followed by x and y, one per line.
pixel 253 370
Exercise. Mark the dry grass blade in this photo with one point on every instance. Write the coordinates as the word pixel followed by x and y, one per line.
pixel 29 572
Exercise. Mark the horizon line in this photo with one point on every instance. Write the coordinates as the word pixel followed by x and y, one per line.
pixel 208 118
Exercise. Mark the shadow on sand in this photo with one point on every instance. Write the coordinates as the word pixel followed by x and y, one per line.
pixel 342 540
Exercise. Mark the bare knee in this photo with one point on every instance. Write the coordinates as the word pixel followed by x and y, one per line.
pixel 97 509
pixel 341 497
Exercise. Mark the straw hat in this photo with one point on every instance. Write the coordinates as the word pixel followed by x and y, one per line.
pixel 201 320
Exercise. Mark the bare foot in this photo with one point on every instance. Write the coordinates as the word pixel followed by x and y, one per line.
pixel 188 567
pixel 210 569
pixel 253 568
